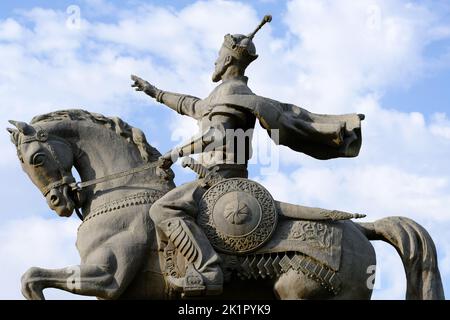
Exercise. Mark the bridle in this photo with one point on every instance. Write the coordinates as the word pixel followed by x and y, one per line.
pixel 66 177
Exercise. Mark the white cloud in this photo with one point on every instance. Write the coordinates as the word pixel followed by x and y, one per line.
pixel 10 29
pixel 440 126
pixel 376 190
pixel 369 44
pixel 33 241
pixel 390 279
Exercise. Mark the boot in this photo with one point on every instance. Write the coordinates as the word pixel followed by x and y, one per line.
pixel 203 272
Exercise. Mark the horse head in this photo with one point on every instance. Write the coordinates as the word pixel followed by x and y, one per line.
pixel 47 160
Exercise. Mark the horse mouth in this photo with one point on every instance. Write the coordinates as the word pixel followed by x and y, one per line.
pixel 65 211
pixel 61 202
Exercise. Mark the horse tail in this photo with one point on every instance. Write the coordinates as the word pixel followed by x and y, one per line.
pixel 417 251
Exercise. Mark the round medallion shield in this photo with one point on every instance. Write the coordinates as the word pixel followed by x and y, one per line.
pixel 237 215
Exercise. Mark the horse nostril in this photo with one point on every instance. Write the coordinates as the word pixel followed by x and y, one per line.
pixel 54 200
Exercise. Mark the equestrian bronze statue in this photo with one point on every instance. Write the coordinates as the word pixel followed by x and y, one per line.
pixel 222 235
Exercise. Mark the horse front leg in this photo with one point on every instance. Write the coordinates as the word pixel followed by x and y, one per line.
pixel 90 280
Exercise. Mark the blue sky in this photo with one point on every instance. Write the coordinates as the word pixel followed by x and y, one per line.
pixel 387 59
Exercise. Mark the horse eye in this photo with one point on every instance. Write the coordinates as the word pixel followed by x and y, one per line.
pixel 38 159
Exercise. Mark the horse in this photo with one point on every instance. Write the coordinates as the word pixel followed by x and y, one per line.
pixel 116 240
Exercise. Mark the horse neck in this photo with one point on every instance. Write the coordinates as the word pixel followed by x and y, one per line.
pixel 101 152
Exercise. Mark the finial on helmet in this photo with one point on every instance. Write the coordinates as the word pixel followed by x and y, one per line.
pixel 267 18
pixel 242 46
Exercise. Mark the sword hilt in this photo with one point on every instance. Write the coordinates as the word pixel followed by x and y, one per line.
pixel 195 166
pixel 209 176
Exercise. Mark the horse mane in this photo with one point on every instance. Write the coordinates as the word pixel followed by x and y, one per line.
pixel 133 135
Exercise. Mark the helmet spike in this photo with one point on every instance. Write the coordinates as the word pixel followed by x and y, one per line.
pixel 267 18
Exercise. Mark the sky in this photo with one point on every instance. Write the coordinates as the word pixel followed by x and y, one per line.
pixel 387 59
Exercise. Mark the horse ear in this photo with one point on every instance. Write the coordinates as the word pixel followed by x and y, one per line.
pixel 23 127
pixel 14 135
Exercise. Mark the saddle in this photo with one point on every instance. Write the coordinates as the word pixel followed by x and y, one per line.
pixel 244 223
pixel 255 239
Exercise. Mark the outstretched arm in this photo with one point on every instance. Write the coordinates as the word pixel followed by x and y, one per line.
pixel 183 104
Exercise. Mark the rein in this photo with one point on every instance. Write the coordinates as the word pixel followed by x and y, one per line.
pixel 78 186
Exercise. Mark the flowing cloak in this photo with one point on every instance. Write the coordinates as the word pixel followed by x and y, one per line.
pixel 318 135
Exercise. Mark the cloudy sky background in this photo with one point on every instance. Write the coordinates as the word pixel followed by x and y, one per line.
pixel 387 59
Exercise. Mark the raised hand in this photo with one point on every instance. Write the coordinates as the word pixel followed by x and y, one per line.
pixel 163 168
pixel 142 85
pixel 167 160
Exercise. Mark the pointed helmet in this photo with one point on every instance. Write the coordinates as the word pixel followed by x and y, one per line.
pixel 241 46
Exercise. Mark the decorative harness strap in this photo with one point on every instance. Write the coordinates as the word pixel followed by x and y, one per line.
pixel 141 198
pixel 262 266
pixel 66 178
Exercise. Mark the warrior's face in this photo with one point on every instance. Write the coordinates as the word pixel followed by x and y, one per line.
pixel 221 64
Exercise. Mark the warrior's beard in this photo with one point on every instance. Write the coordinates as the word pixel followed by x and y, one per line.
pixel 217 75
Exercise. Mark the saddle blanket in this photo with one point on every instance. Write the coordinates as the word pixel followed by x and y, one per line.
pixel 320 240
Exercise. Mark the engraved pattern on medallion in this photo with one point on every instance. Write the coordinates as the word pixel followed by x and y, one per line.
pixel 244 243
pixel 237 213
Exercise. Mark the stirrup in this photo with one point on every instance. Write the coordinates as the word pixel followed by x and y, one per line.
pixel 192 284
